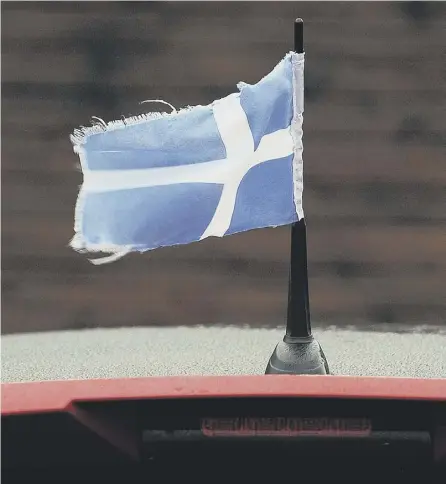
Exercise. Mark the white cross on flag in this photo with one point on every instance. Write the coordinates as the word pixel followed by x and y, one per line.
pixel 160 180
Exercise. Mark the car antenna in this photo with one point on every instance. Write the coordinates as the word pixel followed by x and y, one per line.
pixel 299 353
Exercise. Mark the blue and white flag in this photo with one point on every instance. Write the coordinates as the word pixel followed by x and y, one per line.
pixel 173 178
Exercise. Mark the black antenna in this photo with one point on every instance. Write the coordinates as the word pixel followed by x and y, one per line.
pixel 299 353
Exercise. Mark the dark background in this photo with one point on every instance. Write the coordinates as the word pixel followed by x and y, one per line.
pixel 375 164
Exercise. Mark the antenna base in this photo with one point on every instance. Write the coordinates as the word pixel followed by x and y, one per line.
pixel 298 356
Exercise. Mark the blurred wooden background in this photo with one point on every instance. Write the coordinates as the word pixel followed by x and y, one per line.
pixel 375 164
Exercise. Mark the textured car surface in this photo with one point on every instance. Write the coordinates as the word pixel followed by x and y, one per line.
pixel 135 352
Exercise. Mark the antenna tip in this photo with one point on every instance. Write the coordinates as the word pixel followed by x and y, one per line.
pixel 299 21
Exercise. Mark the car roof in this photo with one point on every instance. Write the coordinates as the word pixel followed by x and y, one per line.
pixel 174 351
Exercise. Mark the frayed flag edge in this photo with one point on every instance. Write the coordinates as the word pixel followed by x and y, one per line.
pixel 80 135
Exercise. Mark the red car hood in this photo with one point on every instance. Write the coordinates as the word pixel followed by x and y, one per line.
pixel 56 396
pixel 125 426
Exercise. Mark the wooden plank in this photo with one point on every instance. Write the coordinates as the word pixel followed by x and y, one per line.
pixel 359 293
pixel 376 12
pixel 47 317
pixel 39 158
pixel 158 299
pixel 374 160
pixel 163 304
pixel 385 245
pixel 354 43
pixel 187 66
pixel 25 66
pixel 406 77
pixel 29 25
pixel 26 114
pixel 32 25
pixel 374 202
pixel 266 272
pixel 25 234
pixel 378 115
pixel 370 36
pixel 116 49
pixel 156 288
pixel 28 197
pixel 226 70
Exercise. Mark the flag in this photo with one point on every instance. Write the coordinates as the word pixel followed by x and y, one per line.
pixel 163 179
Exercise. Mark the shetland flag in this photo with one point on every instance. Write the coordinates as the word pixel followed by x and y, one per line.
pixel 165 179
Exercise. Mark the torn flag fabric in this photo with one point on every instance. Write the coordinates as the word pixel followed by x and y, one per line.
pixel 174 178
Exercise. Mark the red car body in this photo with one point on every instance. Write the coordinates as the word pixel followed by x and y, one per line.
pixel 157 429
